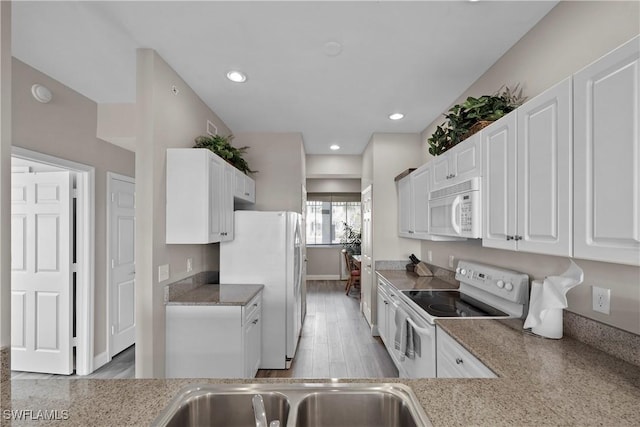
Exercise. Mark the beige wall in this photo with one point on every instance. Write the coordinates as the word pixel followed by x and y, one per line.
pixel 336 166
pixel 324 261
pixel 280 161
pixel 571 36
pixel 5 176
pixel 66 128
pixel 117 124
pixel 164 120
pixel 392 154
pixel 333 185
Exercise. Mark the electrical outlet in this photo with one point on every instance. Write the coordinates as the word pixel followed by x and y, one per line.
pixel 601 298
pixel 189 264
pixel 163 272
pixel 430 256
pixel 451 261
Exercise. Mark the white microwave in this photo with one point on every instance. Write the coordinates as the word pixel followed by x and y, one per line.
pixel 456 210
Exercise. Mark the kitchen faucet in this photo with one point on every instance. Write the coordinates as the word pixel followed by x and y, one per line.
pixel 260 413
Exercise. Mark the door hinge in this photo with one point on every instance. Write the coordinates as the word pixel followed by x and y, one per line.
pixel 74 341
pixel 113 197
pixel 74 267
pixel 113 330
pixel 113 263
pixel 75 193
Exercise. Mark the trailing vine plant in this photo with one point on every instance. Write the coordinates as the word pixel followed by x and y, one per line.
pixel 463 120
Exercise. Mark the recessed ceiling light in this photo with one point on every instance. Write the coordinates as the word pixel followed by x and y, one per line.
pixel 396 116
pixel 334 147
pixel 237 76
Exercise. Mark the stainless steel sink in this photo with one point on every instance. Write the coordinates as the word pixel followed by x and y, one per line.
pixel 366 409
pixel 296 405
pixel 204 406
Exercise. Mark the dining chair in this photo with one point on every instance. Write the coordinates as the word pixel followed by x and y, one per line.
pixel 353 269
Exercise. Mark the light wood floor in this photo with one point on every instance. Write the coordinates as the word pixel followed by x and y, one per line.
pixel 121 366
pixel 336 340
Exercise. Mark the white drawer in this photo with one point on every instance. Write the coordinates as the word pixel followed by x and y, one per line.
pixel 249 310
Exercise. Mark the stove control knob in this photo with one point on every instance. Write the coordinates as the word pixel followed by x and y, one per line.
pixel 458 270
pixel 500 284
pixel 508 286
pixel 463 271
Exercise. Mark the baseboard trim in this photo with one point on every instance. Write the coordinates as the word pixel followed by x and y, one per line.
pixel 100 360
pixel 323 277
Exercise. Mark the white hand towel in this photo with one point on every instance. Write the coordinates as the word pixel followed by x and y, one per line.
pixel 548 298
pixel 400 339
pixel 411 352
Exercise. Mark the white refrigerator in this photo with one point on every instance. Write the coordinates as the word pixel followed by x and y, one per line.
pixel 267 249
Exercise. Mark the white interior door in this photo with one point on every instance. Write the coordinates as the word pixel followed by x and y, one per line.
pixel 41 273
pixel 122 254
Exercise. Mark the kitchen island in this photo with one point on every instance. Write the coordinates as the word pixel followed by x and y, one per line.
pixel 541 382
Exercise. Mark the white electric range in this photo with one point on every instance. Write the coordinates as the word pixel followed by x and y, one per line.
pixel 485 292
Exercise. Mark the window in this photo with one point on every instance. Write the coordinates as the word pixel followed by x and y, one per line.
pixel 327 214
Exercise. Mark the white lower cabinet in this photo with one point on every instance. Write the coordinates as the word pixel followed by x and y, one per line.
pixel 387 302
pixel 214 341
pixel 454 361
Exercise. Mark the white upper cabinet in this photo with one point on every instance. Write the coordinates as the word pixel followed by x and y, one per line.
pixel 420 183
pixel 528 176
pixel 413 200
pixel 199 197
pixel 244 187
pixel 460 163
pixel 226 204
pixel 607 157
pixel 544 172
pixel 499 183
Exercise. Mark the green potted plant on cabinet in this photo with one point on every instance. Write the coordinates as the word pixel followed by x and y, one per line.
pixel 463 120
pixel 221 145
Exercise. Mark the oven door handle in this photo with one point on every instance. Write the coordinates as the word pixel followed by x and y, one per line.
pixel 422 331
pixel 454 214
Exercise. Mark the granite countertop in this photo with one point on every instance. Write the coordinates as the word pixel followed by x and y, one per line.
pixel 216 294
pixel 541 382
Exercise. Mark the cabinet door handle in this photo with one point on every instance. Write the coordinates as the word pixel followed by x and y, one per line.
pixel 255 321
pixel 255 305
pixel 517 238
pixel 246 194
pixel 459 361
pixel 509 237
pixel 411 231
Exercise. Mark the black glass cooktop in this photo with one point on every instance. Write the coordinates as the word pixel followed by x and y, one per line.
pixel 451 304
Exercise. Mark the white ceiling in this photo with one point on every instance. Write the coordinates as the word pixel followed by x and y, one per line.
pixel 413 57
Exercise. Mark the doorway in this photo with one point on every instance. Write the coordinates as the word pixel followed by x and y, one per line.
pixel 52 238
